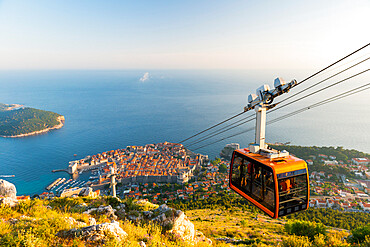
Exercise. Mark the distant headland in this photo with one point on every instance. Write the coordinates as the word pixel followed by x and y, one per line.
pixel 19 121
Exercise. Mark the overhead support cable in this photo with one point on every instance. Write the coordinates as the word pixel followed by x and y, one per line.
pixel 331 65
pixel 252 117
pixel 222 130
pixel 213 126
pixel 317 91
pixel 239 133
pixel 311 76
pixel 323 102
pixel 318 83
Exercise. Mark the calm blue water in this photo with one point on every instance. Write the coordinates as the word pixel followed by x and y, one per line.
pixel 107 110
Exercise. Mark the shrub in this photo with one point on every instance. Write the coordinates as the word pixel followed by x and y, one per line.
pixel 25 206
pixel 27 238
pixel 296 241
pixel 319 241
pixel 113 201
pixel 131 205
pixel 7 212
pixel 143 205
pixel 21 238
pixel 366 243
pixel 336 240
pixel 359 234
pixel 65 204
pixel 305 228
pixel 243 223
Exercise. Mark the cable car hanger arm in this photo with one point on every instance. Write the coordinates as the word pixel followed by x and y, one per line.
pixel 265 95
pixel 261 102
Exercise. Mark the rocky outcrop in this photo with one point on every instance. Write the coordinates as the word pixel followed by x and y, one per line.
pixel 92 221
pixel 172 221
pixel 96 233
pixel 175 222
pixel 71 221
pixel 8 193
pixel 8 201
pixel 102 210
pixel 7 189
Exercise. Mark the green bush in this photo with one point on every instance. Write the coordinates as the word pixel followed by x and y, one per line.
pixel 366 243
pixel 222 168
pixel 113 201
pixel 305 228
pixel 359 234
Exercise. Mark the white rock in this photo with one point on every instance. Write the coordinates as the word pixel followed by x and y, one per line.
pixel 180 225
pixel 183 228
pixel 96 232
pixel 8 201
pixel 163 208
pixel 92 221
pixel 106 210
pixel 71 221
pixel 7 189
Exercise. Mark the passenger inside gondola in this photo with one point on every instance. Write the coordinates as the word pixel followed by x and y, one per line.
pixel 255 181
pixel 293 193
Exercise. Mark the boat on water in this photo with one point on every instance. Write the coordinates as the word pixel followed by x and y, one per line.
pixel 59 182
pixel 53 184
pixel 93 177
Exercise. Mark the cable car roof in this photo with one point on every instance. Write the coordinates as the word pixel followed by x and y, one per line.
pixel 280 165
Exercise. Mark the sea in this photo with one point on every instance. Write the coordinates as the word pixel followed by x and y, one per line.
pixel 111 109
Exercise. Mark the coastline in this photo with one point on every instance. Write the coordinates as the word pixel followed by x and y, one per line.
pixel 13 107
pixel 61 120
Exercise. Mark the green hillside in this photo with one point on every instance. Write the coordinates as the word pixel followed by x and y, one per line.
pixel 306 152
pixel 25 120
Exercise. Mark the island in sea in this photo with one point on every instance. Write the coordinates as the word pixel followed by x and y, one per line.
pixel 19 121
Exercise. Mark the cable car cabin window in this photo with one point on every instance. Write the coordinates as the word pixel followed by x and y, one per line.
pixel 293 192
pixel 255 180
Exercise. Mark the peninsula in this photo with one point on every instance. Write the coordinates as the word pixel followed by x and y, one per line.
pixel 153 163
pixel 19 121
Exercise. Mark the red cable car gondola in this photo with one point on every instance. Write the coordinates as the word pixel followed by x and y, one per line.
pixel 273 181
pixel 278 186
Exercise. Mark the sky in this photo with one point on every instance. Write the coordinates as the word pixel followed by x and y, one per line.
pixel 209 34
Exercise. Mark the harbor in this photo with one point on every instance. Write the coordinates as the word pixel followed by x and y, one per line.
pixel 61 184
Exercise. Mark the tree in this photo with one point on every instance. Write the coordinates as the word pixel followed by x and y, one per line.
pixel 222 168
pixel 216 161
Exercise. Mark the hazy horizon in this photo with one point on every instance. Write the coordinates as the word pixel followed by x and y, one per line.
pixel 92 35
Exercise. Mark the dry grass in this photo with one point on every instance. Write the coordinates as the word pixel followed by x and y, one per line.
pixel 238 225
pixel 245 227
pixel 34 223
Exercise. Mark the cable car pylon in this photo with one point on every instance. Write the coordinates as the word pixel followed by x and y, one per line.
pixel 272 180
pixel 261 102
